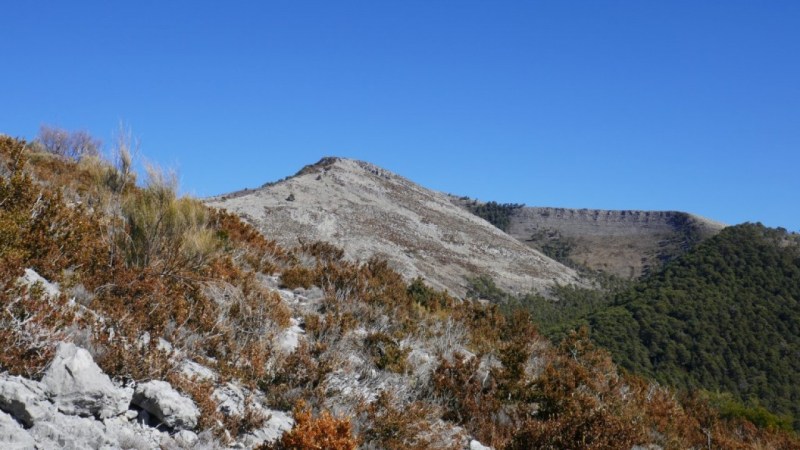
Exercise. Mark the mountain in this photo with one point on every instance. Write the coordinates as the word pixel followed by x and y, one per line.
pixel 131 317
pixel 624 243
pixel 724 317
pixel 371 212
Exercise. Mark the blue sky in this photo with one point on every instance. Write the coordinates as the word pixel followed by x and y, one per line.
pixel 691 105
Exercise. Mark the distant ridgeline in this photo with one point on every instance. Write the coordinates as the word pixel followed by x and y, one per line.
pixel 725 316
pixel 626 244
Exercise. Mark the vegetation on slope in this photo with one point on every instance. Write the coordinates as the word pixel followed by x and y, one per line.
pixel 402 365
pixel 498 214
pixel 725 317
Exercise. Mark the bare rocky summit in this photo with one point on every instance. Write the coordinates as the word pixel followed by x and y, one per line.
pixel 371 212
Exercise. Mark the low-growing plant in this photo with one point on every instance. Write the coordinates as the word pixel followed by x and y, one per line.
pixel 396 425
pixel 386 353
pixel 298 277
pixel 310 432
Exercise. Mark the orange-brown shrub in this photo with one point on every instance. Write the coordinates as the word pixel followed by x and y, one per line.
pixel 30 325
pixel 246 244
pixel 298 277
pixel 38 229
pixel 471 400
pixel 582 402
pixel 322 251
pixel 394 425
pixel 225 428
pixel 310 432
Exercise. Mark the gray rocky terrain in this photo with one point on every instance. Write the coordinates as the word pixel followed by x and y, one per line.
pixel 76 406
pixel 370 212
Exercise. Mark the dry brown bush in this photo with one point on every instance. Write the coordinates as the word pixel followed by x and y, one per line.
pixel 245 244
pixel 395 425
pixel 310 432
pixel 471 400
pixel 298 277
pixel 30 325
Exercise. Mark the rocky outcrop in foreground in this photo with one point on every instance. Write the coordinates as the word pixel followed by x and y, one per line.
pixel 77 406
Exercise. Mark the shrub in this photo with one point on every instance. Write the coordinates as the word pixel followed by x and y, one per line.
pixel 30 325
pixel 37 228
pixel 386 353
pixel 582 403
pixel 297 276
pixel 73 145
pixel 311 433
pixel 164 233
pixel 396 425
pixel 471 400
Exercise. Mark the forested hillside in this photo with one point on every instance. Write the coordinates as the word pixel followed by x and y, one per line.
pixel 725 316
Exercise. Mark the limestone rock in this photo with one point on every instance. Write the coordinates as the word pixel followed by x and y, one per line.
pixel 278 423
pixel 475 445
pixel 24 399
pixel 185 438
pixel 77 386
pixel 230 399
pixel 71 432
pixel 195 371
pixel 12 435
pixel 31 278
pixel 168 405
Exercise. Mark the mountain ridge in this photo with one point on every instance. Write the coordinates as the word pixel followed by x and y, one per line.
pixel 201 333
pixel 370 211
pixel 623 243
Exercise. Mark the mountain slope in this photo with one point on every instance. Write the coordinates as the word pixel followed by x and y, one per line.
pixel 725 316
pixel 627 244
pixel 371 212
pixel 134 318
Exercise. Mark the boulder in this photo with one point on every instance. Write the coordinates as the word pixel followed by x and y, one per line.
pixel 230 399
pixel 24 399
pixel 12 435
pixel 475 445
pixel 71 432
pixel 278 422
pixel 77 386
pixel 168 405
pixel 185 439
pixel 31 279
pixel 195 371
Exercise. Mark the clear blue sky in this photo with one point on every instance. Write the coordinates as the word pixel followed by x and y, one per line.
pixel 691 105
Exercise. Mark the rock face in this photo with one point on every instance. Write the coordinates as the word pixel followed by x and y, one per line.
pixel 369 212
pixel 79 387
pixel 48 415
pixel 24 399
pixel 53 415
pixel 623 243
pixel 12 435
pixel 168 405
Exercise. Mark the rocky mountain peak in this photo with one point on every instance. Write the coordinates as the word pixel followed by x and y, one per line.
pixel 371 212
